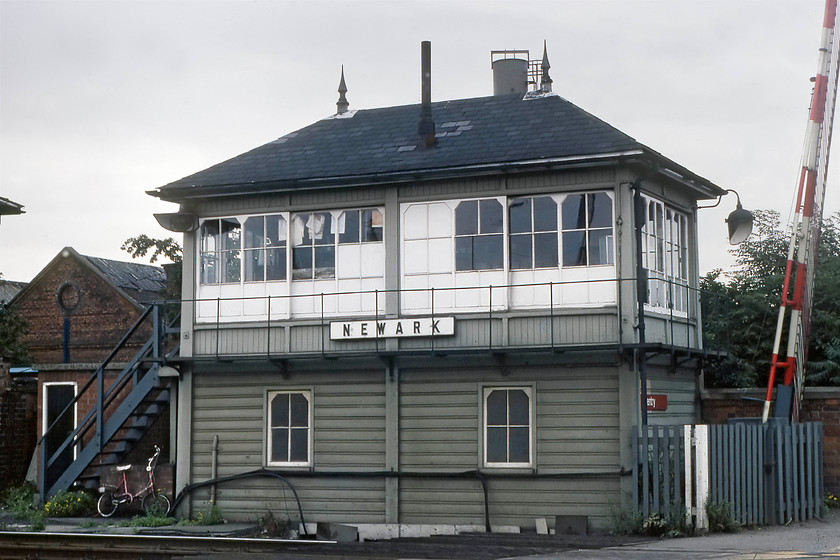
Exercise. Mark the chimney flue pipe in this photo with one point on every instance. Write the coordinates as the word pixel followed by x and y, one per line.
pixel 426 127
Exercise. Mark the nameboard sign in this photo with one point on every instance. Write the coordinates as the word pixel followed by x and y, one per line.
pixel 392 328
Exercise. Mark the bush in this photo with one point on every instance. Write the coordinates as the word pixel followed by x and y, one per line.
pixel 19 501
pixel 721 517
pixel 69 504
pixel 831 501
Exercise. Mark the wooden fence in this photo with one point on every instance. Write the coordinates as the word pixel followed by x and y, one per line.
pixel 770 473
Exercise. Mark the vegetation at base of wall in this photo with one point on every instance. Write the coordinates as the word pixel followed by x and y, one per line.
pixel 626 521
pixel 148 520
pixel 213 516
pixel 831 501
pixel 18 502
pixel 274 527
pixel 721 517
pixel 740 306
pixel 75 503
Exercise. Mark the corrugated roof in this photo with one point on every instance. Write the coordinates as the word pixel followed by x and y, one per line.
pixel 142 282
pixel 482 131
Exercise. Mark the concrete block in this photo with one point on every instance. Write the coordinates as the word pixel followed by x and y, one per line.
pixel 542 526
pixel 337 532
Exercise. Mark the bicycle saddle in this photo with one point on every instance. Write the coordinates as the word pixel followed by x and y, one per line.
pixel 121 468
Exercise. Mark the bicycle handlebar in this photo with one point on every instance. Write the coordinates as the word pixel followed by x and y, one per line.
pixel 153 459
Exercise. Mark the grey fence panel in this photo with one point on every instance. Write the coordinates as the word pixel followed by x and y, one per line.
pixel 658 454
pixel 769 473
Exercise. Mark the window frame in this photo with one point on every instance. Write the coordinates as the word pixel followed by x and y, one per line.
pixel 530 392
pixel 220 251
pixel 264 249
pixel 479 235
pixel 268 427
pixel 587 230
pixel 533 233
pixel 670 256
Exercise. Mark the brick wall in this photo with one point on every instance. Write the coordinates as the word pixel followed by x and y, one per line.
pixel 821 404
pixel 98 321
pixel 17 432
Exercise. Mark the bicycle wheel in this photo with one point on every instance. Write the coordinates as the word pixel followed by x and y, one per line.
pixel 156 504
pixel 107 504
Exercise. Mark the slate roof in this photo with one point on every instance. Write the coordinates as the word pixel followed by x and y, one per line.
pixel 473 135
pixel 9 289
pixel 142 282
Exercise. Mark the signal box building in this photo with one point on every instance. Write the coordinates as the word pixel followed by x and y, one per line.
pixel 428 314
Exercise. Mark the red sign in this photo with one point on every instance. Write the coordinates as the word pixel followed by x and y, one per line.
pixel 657 402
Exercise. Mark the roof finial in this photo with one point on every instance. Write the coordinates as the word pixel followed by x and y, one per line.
pixel 545 81
pixel 342 103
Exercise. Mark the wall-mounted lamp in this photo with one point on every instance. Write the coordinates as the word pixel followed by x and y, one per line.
pixel 740 221
pixel 178 221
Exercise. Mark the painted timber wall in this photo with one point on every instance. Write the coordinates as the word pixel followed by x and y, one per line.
pixel 397 429
pixel 437 436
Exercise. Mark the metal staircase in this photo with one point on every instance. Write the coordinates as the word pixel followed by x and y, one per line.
pixel 123 406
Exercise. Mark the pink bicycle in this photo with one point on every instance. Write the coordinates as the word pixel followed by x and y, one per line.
pixel 154 503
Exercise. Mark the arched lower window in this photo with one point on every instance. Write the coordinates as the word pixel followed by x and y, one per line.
pixel 507 427
pixel 288 430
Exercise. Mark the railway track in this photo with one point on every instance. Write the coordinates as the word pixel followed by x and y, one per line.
pixel 479 546
pixel 94 546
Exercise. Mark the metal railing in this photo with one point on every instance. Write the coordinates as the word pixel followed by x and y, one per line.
pixel 702 323
pixel 111 397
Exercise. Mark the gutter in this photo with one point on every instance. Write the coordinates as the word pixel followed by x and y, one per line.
pixel 178 193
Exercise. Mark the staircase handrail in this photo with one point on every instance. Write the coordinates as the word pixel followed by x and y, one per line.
pixel 104 398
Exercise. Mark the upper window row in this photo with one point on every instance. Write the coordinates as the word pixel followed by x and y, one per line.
pixel 585 232
pixel 256 251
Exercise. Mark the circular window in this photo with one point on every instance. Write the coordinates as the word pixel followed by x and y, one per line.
pixel 68 295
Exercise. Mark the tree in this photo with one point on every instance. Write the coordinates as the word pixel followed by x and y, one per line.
pixel 13 329
pixel 139 246
pixel 751 296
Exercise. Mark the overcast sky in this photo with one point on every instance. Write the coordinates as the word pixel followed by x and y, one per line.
pixel 101 101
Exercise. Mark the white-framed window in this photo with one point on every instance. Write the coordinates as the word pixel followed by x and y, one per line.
pixel 220 245
pixel 665 256
pixel 289 428
pixel 265 248
pixel 587 223
pixel 508 427
pixel 313 246
pixel 479 239
pixel 533 232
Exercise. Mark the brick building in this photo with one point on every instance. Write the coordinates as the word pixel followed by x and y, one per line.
pixel 79 308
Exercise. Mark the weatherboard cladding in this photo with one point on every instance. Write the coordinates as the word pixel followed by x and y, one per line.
pixel 439 423
pixel 479 131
